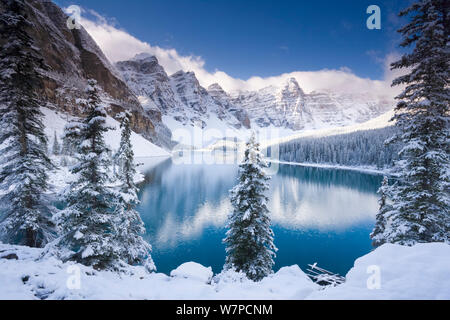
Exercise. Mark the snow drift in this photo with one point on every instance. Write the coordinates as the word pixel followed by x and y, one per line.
pixel 419 272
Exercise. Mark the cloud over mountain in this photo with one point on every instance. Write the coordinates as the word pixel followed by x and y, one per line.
pixel 119 45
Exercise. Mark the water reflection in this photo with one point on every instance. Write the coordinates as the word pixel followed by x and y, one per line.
pixel 185 208
pixel 323 199
pixel 333 177
pixel 179 201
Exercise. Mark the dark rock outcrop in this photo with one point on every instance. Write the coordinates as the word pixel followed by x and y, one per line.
pixel 11 256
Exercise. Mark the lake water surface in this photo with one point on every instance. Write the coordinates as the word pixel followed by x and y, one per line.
pixel 318 215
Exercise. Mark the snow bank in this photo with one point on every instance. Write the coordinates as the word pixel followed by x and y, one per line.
pixel 31 278
pixel 194 271
pixel 55 121
pixel 289 283
pixel 419 272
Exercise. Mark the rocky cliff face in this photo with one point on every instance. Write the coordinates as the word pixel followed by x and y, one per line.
pixel 285 106
pixel 288 106
pixel 142 86
pixel 180 95
pixel 73 57
pixel 223 99
pixel 150 82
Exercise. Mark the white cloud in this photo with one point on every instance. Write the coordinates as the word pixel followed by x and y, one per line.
pixel 119 45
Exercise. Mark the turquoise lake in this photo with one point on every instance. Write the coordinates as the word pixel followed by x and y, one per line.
pixel 318 215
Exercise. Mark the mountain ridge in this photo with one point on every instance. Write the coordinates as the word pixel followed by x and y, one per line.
pixel 179 95
pixel 283 106
pixel 142 86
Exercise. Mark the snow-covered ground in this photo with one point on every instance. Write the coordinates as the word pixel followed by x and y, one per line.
pixel 147 155
pixel 210 137
pixel 216 129
pixel 389 272
pixel 55 122
pixel 381 121
pixel 419 272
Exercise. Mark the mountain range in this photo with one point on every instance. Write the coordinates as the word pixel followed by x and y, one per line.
pixel 284 106
pixel 158 100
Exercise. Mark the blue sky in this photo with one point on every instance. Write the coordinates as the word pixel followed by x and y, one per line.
pixel 261 37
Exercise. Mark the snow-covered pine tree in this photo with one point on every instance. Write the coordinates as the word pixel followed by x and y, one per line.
pixel 88 223
pixel 133 248
pixel 420 210
pixel 249 241
pixel 384 207
pixel 66 148
pixel 56 148
pixel 26 214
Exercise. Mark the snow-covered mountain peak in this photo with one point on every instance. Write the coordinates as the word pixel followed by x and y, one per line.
pixel 179 96
pixel 216 89
pixel 284 105
pixel 287 105
pixel 185 77
pixel 144 56
pixel 293 87
pixel 143 64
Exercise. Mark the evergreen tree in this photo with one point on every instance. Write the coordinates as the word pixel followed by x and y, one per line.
pixel 88 223
pixel 361 148
pixel 420 210
pixel 26 214
pixel 56 148
pixel 67 148
pixel 133 248
pixel 384 209
pixel 249 240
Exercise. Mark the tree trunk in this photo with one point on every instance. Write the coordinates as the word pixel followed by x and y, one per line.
pixel 31 238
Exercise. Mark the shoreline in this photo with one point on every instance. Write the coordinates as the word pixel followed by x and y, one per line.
pixel 367 170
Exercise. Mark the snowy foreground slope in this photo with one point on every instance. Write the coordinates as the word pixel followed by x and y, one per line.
pixel 419 272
